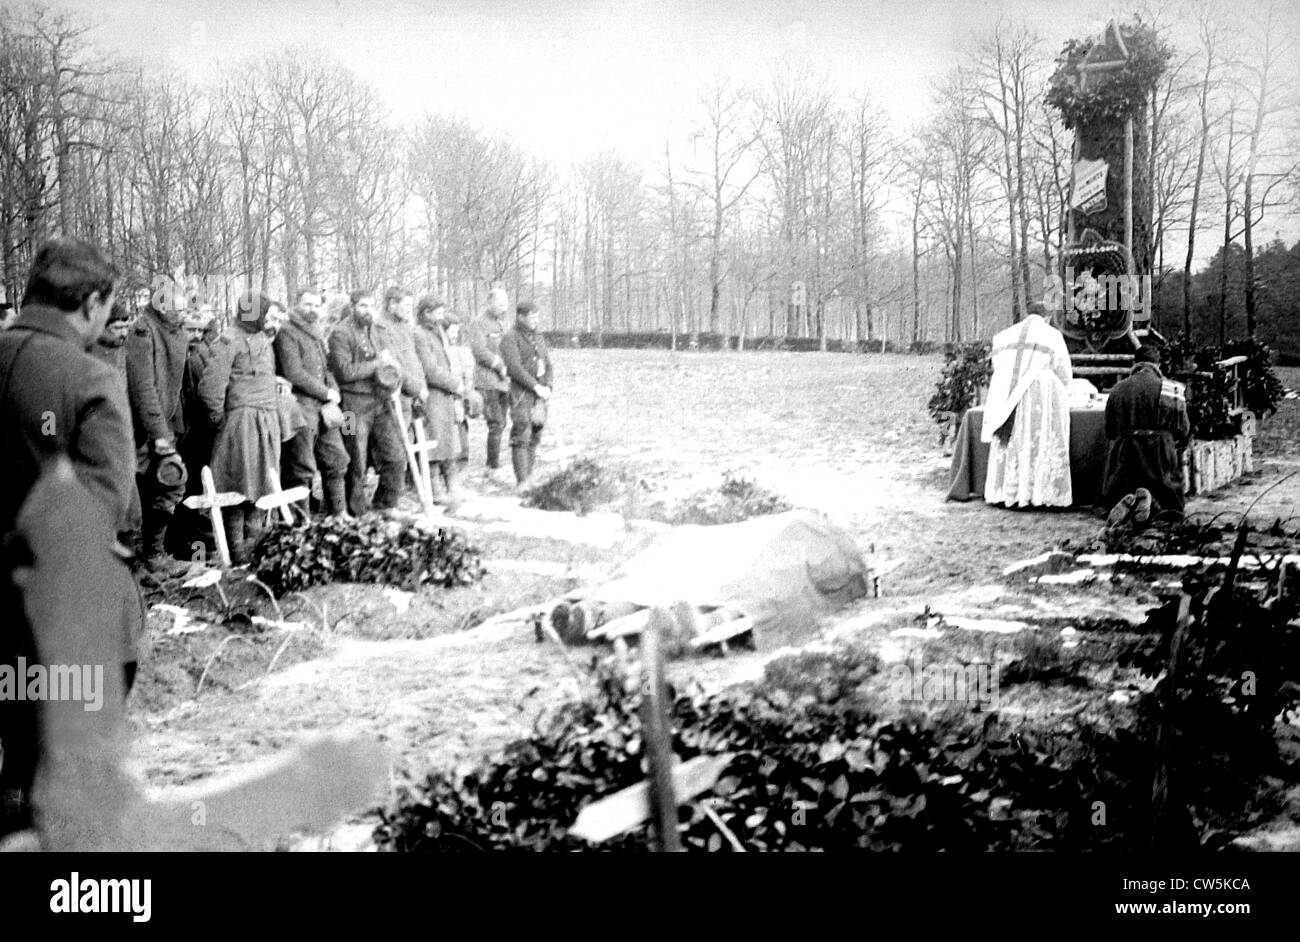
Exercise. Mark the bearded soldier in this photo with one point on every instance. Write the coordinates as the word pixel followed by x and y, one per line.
pixel 368 372
pixel 302 358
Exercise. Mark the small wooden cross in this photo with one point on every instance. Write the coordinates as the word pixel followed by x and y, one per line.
pixel 212 502
pixel 280 500
pixel 417 454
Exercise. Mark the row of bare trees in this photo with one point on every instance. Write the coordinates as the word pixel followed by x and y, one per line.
pixel 787 207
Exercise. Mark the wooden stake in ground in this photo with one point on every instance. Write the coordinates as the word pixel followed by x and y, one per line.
pixel 1170 822
pixel 212 502
pixel 656 733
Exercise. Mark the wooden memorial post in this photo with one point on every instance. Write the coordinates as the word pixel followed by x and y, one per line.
pixel 1100 91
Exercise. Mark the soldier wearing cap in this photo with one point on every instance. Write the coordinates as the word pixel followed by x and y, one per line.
pixel 368 372
pixel 528 363
pixel 110 349
pixel 301 356
pixel 238 391
pixel 1147 424
pixel 484 334
pixel 194 445
pixel 156 351
pixel 446 388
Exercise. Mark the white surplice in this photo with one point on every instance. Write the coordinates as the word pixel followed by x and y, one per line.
pixel 1027 417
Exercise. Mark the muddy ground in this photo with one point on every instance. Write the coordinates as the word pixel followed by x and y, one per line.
pixel 846 434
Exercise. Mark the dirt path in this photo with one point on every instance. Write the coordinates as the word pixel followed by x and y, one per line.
pixel 844 434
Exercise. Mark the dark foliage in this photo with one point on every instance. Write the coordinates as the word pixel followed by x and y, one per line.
pixel 1209 388
pixel 813 769
pixel 738 498
pixel 966 368
pixel 577 488
pixel 371 549
pixel 1111 96
pixel 1260 385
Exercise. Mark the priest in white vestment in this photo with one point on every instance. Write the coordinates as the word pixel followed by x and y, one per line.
pixel 1027 417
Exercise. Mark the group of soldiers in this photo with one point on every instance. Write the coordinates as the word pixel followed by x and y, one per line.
pixel 138 403
pixel 278 399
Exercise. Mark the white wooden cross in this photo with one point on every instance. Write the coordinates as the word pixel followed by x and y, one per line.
pixel 280 500
pixel 212 502
pixel 417 454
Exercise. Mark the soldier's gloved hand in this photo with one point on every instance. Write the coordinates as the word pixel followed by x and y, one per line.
pixel 542 392
pixel 332 395
pixel 163 447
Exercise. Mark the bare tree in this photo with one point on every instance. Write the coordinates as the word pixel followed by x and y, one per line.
pixel 727 130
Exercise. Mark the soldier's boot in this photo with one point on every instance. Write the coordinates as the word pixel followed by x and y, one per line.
pixel 255 525
pixel 437 489
pixel 532 458
pixel 156 558
pixel 234 520
pixel 494 449
pixel 519 458
pixel 336 499
pixel 450 472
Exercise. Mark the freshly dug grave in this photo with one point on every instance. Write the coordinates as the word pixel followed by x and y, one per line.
pixel 769 576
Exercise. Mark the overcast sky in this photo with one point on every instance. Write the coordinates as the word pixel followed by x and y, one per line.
pixel 566 78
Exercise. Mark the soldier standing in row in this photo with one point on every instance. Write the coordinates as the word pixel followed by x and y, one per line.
pixel 470 406
pixel 446 388
pixel 397 317
pixel 528 363
pixel 238 390
pixel 190 527
pixel 484 335
pixel 155 369
pixel 301 356
pixel 367 373
pixel 110 349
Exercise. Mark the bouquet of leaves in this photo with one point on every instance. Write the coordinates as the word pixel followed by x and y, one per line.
pixel 577 488
pixel 372 548
pixel 966 368
pixel 1261 388
pixel 738 498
